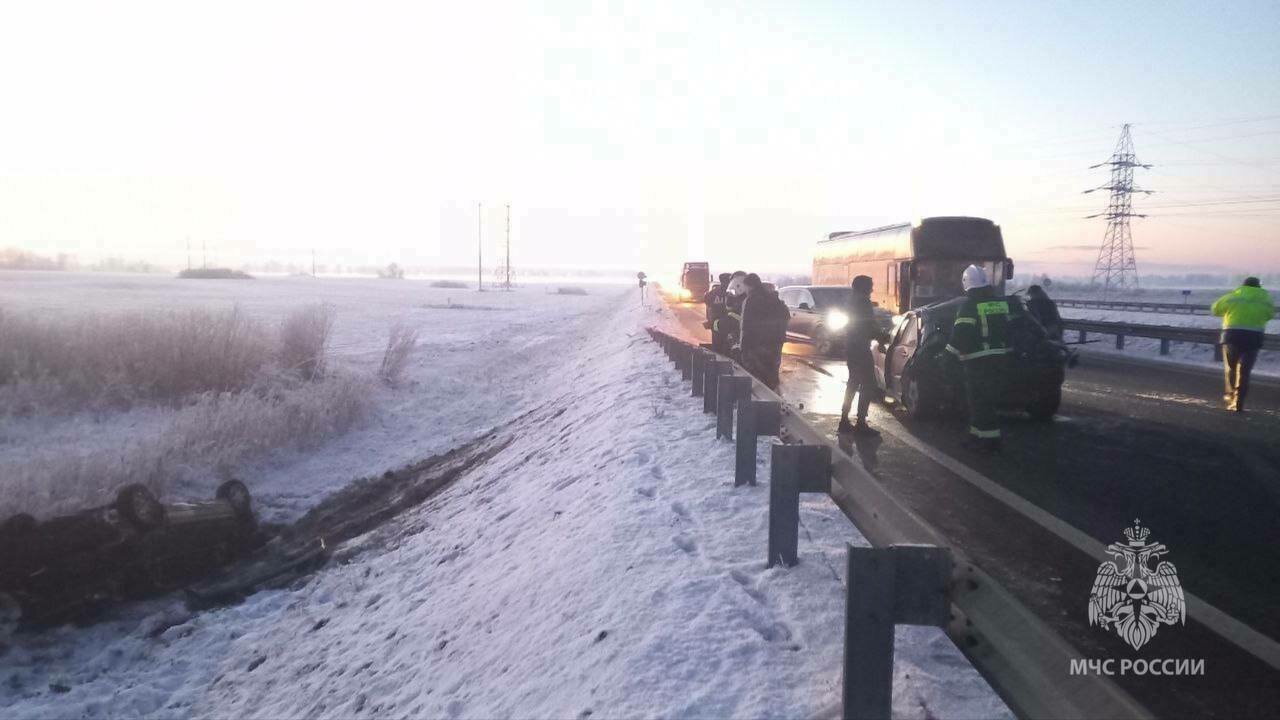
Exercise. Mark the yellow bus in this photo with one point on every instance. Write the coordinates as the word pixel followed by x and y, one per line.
pixel 914 264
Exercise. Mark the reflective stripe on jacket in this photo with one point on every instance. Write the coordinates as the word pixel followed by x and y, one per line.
pixel 982 325
pixel 1245 308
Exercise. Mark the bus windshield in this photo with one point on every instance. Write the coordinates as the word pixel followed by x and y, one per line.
pixel 940 279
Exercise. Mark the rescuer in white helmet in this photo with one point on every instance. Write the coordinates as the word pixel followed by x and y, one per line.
pixel 980 338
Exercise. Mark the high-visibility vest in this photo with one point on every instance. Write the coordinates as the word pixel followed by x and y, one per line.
pixel 1245 308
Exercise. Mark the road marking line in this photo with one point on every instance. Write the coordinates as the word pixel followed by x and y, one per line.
pixel 1222 624
pixel 1229 628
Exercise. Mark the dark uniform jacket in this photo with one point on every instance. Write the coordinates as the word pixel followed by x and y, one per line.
pixel 983 325
pixel 764 319
pixel 863 328
pixel 715 302
pixel 1045 311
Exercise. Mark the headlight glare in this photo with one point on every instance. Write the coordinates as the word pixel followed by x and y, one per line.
pixel 836 320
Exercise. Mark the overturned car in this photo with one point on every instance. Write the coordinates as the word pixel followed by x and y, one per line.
pixel 914 368
pixel 65 568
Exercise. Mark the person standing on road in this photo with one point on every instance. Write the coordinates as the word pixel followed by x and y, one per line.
pixel 980 339
pixel 862 374
pixel 640 276
pixel 764 331
pixel 716 312
pixel 1045 311
pixel 1244 312
pixel 735 295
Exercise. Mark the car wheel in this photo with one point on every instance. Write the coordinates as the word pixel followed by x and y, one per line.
pixel 237 495
pixel 916 399
pixel 822 342
pixel 1046 406
pixel 139 507
pixel 15 526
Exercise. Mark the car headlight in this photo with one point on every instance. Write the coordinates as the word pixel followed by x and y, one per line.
pixel 685 294
pixel 836 320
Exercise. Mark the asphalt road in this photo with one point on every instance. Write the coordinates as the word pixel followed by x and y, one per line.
pixel 1132 441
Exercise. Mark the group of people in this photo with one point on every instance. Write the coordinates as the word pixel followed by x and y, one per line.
pixel 748 322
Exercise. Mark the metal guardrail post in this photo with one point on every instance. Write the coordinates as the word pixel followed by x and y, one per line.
pixel 793 469
pixel 730 390
pixel 1082 336
pixel 1119 341
pixel 1217 352
pixel 697 359
pixel 895 585
pixel 684 360
pixel 1164 346
pixel 755 418
pixel 711 374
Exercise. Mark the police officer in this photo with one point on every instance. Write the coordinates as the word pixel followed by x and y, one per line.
pixel 980 339
pixel 717 311
pixel 1244 312
pixel 862 374
pixel 764 331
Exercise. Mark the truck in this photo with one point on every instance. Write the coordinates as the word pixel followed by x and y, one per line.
pixel 914 263
pixel 695 281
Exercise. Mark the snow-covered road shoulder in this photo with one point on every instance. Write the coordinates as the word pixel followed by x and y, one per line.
pixel 600 565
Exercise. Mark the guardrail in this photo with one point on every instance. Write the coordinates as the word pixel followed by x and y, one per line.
pixel 909 575
pixel 1166 334
pixel 1136 306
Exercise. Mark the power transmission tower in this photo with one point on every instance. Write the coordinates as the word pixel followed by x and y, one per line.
pixel 1116 268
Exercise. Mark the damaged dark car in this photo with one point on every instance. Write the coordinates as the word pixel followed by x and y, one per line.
pixel 914 369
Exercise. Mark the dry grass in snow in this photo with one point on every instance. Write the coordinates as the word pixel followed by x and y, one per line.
pixel 400 344
pixel 112 361
pixel 218 430
pixel 304 338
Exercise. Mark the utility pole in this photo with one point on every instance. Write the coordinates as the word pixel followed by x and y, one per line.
pixel 479 247
pixel 204 254
pixel 313 262
pixel 507 285
pixel 1116 267
pixel 188 252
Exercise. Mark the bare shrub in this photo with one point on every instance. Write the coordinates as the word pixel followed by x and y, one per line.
pixel 218 431
pixel 304 339
pixel 400 344
pixel 112 360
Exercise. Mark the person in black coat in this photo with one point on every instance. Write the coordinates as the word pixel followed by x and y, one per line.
pixel 764 331
pixel 716 301
pixel 1045 311
pixel 863 328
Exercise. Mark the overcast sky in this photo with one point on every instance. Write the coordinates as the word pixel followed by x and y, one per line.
pixel 632 135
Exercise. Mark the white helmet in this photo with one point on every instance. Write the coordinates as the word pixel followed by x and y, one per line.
pixel 974 277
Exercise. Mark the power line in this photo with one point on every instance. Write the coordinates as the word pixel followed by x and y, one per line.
pixel 1213 124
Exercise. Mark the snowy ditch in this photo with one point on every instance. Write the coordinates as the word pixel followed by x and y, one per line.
pixel 597 563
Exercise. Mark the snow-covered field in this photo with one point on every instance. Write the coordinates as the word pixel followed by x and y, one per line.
pixel 600 565
pixel 480 358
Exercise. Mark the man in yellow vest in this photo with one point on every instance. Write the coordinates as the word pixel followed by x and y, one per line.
pixel 1244 312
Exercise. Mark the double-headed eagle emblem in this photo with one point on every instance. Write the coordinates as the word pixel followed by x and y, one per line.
pixel 1135 600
